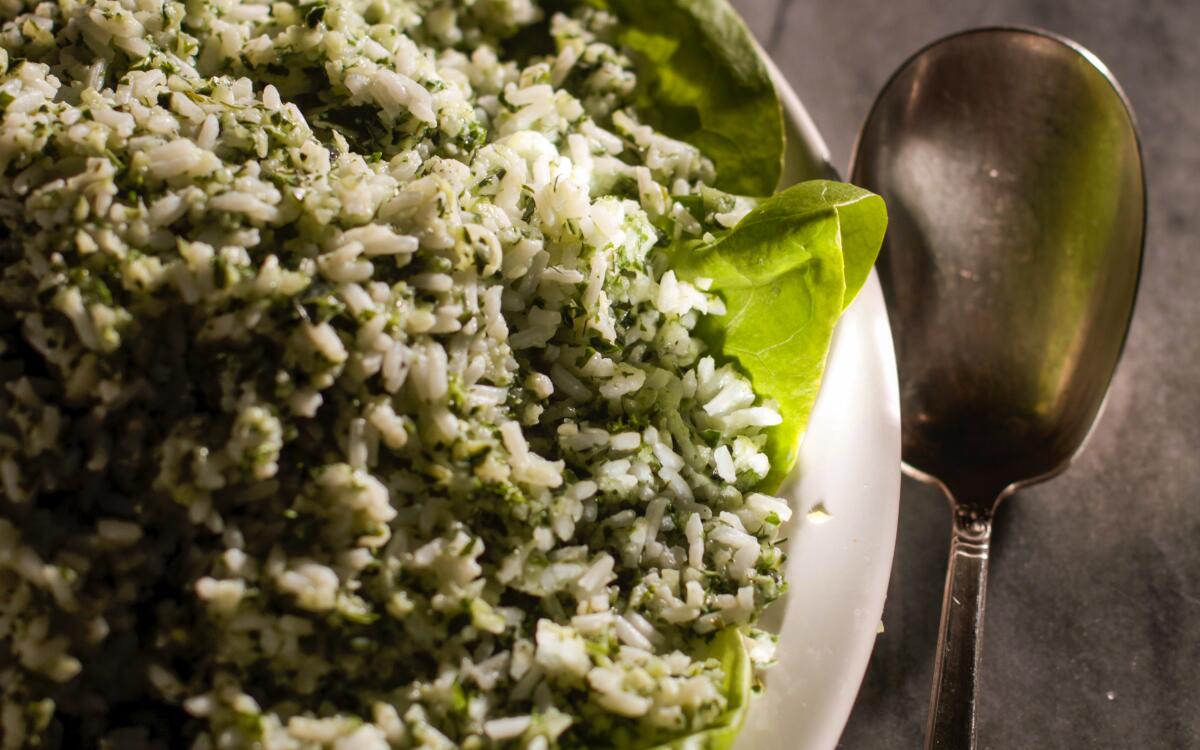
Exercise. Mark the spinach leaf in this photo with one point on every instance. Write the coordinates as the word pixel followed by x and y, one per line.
pixel 786 272
pixel 701 80
pixel 729 647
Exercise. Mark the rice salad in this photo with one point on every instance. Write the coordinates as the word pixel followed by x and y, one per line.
pixel 347 398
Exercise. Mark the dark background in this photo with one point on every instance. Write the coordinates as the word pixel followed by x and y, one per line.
pixel 1093 622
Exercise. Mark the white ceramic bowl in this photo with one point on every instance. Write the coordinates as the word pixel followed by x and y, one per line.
pixel 838 567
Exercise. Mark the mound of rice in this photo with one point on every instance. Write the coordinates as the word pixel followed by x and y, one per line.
pixel 346 401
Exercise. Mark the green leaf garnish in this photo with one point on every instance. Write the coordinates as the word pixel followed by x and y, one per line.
pixel 729 647
pixel 786 272
pixel 701 80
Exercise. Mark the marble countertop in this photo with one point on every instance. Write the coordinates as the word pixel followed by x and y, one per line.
pixel 1093 623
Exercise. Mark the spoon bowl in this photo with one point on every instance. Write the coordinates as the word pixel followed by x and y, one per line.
pixel 1011 166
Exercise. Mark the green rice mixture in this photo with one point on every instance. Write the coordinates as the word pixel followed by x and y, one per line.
pixel 346 400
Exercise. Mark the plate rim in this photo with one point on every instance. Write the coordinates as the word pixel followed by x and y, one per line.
pixel 797 713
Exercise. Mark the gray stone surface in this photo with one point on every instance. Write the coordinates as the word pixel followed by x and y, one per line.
pixel 1093 627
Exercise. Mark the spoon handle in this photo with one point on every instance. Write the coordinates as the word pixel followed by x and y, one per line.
pixel 960 636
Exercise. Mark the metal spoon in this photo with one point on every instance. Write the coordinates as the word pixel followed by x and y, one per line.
pixel 1012 170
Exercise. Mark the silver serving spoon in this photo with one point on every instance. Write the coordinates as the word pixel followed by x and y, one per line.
pixel 1011 167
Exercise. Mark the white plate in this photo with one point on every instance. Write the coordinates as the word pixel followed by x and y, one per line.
pixel 838 569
